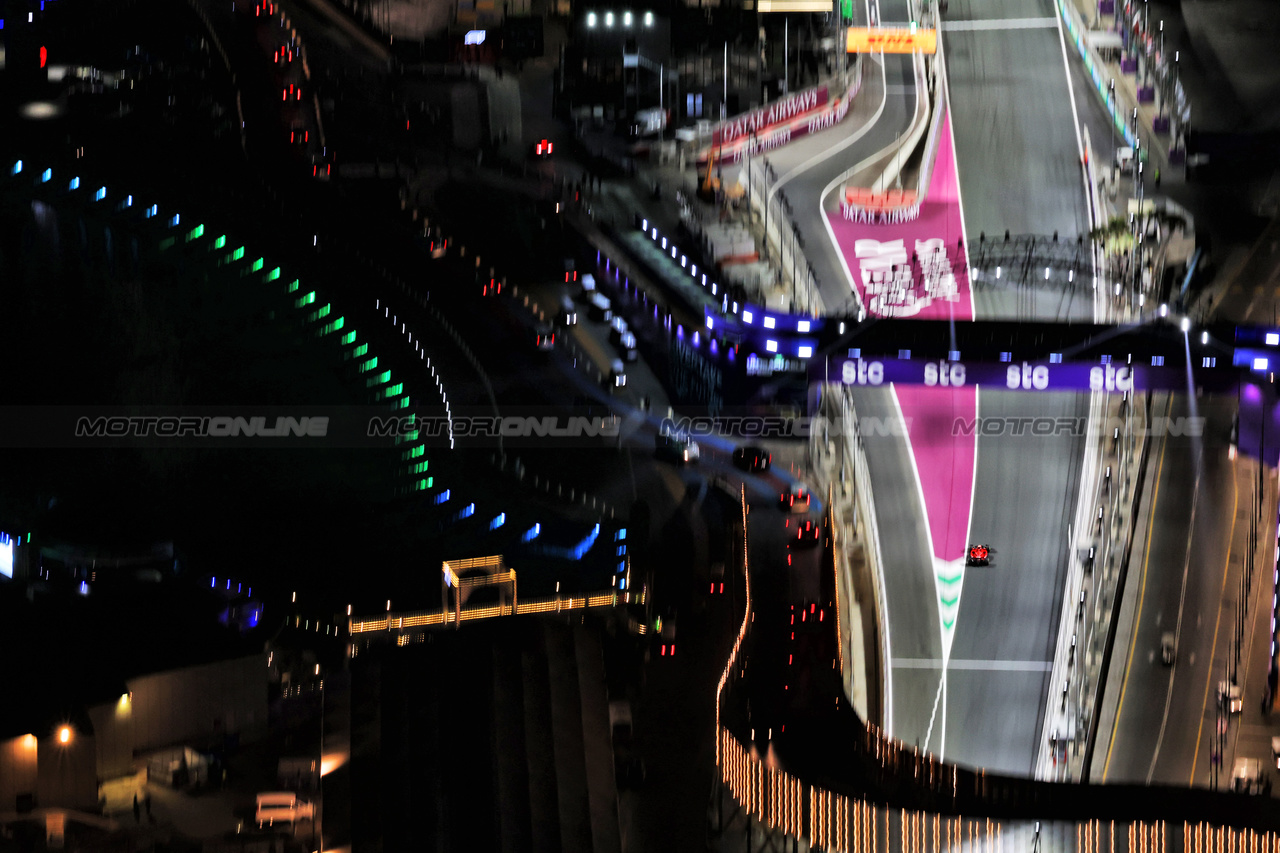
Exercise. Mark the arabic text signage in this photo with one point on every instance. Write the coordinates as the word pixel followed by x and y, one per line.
pixel 891 40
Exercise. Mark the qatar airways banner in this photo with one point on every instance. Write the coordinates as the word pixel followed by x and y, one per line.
pixel 1019 375
pixel 762 119
pixel 781 134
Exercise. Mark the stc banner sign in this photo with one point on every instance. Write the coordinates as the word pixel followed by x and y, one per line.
pixel 758 121
pixel 891 40
pixel 1020 375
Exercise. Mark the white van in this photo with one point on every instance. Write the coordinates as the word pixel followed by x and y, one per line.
pixel 568 311
pixel 283 807
pixel 1247 776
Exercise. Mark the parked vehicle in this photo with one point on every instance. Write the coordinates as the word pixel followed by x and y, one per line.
pixel 681 451
pixel 599 308
pixel 1168 648
pixel 753 460
pixel 568 311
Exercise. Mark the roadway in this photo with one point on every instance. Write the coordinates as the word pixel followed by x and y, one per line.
pixel 808 168
pixel 1164 720
pixel 910 598
pixel 998 675
pixel 1013 119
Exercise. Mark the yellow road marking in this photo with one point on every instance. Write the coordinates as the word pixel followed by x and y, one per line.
pixel 1195 756
pixel 1142 591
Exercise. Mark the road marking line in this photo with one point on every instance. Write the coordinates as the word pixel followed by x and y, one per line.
pixel 955 165
pixel 842 144
pixel 1213 651
pixel 937 699
pixel 1080 153
pixel 1000 24
pixel 1142 591
pixel 1182 600
pixel 822 212
pixel 976 665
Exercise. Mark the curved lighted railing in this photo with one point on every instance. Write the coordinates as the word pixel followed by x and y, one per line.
pixel 892 797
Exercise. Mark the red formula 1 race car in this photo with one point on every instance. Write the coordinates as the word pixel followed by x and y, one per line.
pixel 978 555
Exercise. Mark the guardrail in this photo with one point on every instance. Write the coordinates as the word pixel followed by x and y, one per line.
pixel 1092 63
pixel 772 207
pixel 1116 576
pixel 940 103
pixel 1108 485
pixel 856 500
pixel 870 527
pixel 915 131
pixel 886 796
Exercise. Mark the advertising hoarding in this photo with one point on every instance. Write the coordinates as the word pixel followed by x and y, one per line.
pixel 6 555
pixel 794 6
pixel 1018 375
pixel 764 118
pixel 891 40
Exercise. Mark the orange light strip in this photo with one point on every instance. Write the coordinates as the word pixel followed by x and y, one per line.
pixel 528 606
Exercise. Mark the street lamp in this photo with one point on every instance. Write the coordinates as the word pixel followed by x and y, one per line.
pixel 64 735
pixel 1111 113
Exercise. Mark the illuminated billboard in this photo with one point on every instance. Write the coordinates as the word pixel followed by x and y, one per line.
pixel 891 40
pixel 794 5
pixel 6 555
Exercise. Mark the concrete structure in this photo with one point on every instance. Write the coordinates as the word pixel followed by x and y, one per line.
pixel 63 761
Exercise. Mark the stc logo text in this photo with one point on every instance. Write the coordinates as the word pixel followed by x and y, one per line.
pixel 948 374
